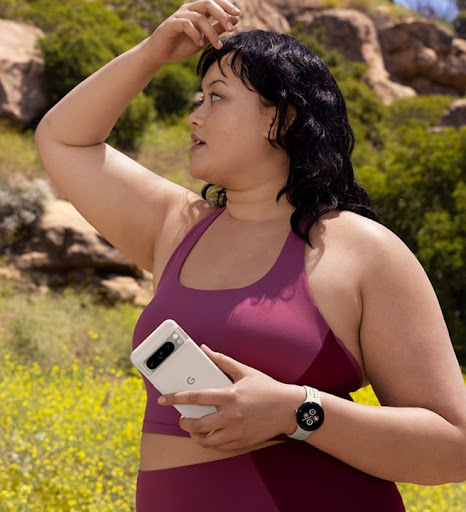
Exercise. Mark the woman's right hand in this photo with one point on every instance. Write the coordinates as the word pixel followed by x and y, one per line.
pixel 185 32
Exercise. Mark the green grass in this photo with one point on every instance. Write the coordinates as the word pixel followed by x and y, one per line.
pixel 165 150
pixel 18 154
pixel 65 326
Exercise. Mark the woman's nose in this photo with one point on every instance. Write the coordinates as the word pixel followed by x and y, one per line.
pixel 195 118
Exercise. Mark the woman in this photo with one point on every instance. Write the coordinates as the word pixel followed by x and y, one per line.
pixel 285 269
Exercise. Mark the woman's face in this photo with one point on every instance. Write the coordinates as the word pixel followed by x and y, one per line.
pixel 230 132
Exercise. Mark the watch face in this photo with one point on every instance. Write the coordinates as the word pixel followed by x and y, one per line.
pixel 310 416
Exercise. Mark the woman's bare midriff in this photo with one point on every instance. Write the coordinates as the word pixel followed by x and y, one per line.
pixel 160 451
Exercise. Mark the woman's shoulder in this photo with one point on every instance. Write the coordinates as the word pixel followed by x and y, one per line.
pixel 351 230
pixel 361 245
pixel 177 225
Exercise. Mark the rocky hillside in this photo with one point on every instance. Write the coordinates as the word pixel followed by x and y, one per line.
pixel 404 57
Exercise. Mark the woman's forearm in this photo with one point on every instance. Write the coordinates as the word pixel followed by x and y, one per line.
pixel 394 443
pixel 87 114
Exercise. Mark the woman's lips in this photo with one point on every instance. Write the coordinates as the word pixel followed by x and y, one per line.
pixel 197 146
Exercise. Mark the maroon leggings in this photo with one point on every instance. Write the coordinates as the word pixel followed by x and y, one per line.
pixel 288 477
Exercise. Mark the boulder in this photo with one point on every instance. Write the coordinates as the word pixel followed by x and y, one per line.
pixel 63 239
pixel 454 117
pixel 353 34
pixel 22 93
pixel 259 14
pixel 425 56
pixel 126 289
pixel 64 248
pixel 292 9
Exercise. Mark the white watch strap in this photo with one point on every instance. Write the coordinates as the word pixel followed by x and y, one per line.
pixel 312 395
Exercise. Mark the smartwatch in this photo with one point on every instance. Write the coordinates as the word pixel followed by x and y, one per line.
pixel 309 416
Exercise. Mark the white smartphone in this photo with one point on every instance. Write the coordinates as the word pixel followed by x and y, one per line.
pixel 173 362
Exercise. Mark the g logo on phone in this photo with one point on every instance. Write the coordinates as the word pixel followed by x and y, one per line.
pixel 190 380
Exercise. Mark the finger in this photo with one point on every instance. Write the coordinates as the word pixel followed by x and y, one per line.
pixel 218 10
pixel 219 28
pixel 229 7
pixel 200 439
pixel 219 439
pixel 230 366
pixel 187 26
pixel 207 423
pixel 207 30
pixel 196 396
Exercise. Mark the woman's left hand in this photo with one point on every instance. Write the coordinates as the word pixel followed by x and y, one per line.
pixel 253 409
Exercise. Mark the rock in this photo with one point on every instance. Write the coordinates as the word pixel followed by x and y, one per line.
pixel 10 272
pixel 353 34
pixel 348 31
pixel 65 248
pixel 259 14
pixel 387 89
pixel 127 289
pixel 22 93
pixel 425 56
pixel 291 9
pixel 454 117
pixel 63 239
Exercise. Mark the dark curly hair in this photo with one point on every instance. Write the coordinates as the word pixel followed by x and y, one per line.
pixel 319 140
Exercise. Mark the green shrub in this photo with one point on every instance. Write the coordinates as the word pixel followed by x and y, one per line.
pixel 173 90
pixel 71 54
pixel 21 204
pixel 419 186
pixel 367 115
pixel 165 150
pixel 7 9
pixel 128 132
pixel 418 111
pixel 145 13
pixel 80 38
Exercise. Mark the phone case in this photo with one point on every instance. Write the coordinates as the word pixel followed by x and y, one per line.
pixel 185 368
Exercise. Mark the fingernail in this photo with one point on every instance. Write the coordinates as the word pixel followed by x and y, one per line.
pixel 219 45
pixel 201 42
pixel 230 26
pixel 162 400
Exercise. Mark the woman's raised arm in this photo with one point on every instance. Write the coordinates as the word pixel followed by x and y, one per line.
pixel 127 203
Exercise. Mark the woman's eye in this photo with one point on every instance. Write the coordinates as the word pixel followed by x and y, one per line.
pixel 200 100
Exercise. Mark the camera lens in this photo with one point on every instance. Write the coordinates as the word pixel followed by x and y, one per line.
pixel 160 355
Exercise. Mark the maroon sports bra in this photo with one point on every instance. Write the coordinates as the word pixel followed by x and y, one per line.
pixel 273 325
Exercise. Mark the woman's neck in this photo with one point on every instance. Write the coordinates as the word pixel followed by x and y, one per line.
pixel 250 206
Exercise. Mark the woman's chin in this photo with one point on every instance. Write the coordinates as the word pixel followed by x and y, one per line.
pixel 199 173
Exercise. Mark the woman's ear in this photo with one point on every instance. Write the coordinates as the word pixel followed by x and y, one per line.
pixel 273 126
